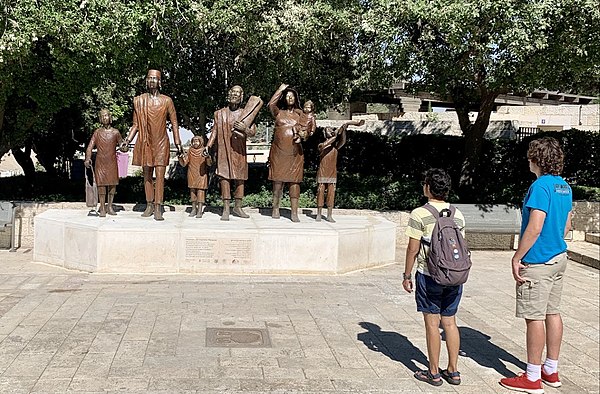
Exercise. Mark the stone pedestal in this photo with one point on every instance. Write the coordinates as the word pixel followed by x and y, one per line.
pixel 128 243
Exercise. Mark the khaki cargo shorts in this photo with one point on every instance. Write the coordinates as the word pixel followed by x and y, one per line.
pixel 540 294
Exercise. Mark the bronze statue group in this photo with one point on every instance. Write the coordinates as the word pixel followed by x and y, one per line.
pixel 232 126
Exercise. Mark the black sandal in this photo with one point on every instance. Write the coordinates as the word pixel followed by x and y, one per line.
pixel 451 377
pixel 427 377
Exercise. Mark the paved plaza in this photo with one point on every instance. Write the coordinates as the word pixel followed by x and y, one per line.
pixel 63 331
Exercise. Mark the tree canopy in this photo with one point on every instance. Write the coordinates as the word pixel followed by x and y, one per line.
pixel 472 51
pixel 60 62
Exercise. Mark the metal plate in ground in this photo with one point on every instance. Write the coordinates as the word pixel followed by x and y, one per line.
pixel 237 337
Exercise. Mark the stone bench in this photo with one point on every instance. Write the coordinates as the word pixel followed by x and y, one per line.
pixel 491 226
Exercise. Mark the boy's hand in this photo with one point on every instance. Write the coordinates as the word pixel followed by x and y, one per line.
pixel 408 285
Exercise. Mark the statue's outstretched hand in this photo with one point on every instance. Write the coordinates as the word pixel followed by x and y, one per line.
pixel 87 163
pixel 124 147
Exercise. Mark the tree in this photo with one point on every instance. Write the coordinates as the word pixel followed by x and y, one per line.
pixel 470 52
pixel 53 55
pixel 64 61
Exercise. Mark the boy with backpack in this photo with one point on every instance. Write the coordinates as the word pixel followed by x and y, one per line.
pixel 436 242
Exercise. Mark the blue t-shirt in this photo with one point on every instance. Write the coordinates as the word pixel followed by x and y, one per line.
pixel 551 194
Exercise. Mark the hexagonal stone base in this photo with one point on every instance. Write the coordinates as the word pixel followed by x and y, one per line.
pixel 128 243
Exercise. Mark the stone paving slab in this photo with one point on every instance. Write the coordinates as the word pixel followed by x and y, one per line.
pixel 586 253
pixel 65 331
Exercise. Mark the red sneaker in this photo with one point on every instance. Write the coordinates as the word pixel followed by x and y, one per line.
pixel 551 380
pixel 521 383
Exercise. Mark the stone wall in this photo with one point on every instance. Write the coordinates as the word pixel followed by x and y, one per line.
pixel 586 219
pixel 503 123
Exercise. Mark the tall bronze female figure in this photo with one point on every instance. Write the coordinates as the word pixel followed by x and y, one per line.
pixel 286 157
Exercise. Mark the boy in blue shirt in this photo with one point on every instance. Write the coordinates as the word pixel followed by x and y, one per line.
pixel 539 264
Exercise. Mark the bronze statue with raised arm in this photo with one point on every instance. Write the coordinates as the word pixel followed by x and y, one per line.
pixel 150 113
pixel 232 125
pixel 286 157
pixel 327 172
pixel 105 139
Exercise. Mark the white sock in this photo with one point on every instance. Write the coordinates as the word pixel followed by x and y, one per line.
pixel 550 366
pixel 534 372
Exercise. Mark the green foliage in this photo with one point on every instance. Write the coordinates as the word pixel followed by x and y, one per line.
pixel 83 56
pixel 471 51
pixel 586 193
pixel 383 181
pixel 463 48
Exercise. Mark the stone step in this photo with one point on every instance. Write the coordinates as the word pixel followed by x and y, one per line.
pixel 585 253
pixel 593 238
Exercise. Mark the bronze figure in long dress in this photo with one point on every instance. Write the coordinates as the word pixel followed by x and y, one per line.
pixel 105 139
pixel 150 113
pixel 232 125
pixel 286 157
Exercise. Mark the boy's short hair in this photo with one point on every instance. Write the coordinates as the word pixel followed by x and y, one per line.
pixel 547 154
pixel 439 183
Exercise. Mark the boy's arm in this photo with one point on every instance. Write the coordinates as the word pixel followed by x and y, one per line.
pixel 530 235
pixel 568 225
pixel 412 250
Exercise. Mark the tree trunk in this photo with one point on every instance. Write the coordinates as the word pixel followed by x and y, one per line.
pixel 473 133
pixel 24 160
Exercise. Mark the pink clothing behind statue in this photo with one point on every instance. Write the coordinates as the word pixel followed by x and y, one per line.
pixel 122 163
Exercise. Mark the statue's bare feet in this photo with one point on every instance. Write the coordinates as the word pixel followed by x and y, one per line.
pixel 193 212
pixel 275 213
pixel 330 219
pixel 110 210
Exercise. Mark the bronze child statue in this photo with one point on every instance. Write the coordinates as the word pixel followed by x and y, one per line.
pixel 307 123
pixel 327 172
pixel 197 163
pixel 105 139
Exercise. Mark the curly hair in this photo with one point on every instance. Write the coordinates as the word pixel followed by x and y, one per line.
pixel 547 154
pixel 439 183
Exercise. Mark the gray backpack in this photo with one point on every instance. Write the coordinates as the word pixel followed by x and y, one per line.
pixel 449 258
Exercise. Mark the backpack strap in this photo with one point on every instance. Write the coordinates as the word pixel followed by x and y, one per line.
pixel 437 213
pixel 434 212
pixel 452 210
pixel 431 210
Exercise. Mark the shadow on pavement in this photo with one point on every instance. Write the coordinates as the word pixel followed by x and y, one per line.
pixel 395 346
pixel 478 347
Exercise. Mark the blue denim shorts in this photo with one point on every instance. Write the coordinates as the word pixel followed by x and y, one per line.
pixel 436 299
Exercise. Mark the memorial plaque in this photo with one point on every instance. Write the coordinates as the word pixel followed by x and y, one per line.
pixel 237 337
pixel 219 251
